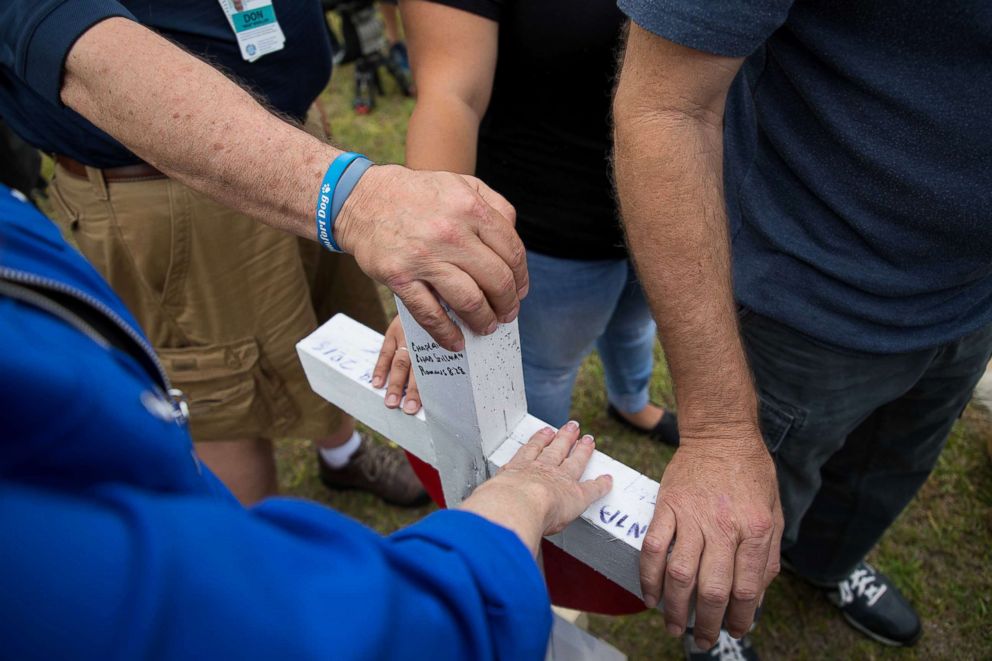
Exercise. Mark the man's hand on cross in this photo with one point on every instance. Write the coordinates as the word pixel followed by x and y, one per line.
pixel 423 234
pixel 430 235
pixel 716 533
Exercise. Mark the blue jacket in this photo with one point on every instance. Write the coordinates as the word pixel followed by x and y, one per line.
pixel 116 542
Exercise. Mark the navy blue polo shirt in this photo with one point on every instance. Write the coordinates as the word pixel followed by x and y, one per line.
pixel 36 36
pixel 858 161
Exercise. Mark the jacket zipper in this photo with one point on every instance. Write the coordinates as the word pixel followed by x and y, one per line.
pixel 178 401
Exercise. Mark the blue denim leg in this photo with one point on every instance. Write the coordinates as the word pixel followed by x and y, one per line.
pixel 569 306
pixel 627 348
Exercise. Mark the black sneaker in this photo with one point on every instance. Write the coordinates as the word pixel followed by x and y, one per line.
pixel 874 606
pixel 726 649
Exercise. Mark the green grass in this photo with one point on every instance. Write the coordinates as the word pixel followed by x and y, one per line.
pixel 939 551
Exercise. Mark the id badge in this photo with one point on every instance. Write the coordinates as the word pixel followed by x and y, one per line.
pixel 255 26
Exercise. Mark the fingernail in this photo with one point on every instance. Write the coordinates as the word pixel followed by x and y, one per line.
pixel 547 431
pixel 491 328
pixel 376 381
pixel 459 345
pixel 392 400
pixel 587 440
pixel 705 644
pixel 511 315
pixel 571 425
pixel 675 630
pixel 410 406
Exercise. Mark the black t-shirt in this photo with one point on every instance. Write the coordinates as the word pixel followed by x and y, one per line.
pixel 544 142
pixel 36 35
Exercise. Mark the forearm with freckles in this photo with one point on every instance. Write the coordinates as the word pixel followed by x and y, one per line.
pixel 668 160
pixel 194 124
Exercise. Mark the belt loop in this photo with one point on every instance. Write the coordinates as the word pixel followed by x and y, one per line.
pixel 98 182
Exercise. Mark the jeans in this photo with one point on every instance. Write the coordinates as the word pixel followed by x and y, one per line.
pixel 572 306
pixel 854 435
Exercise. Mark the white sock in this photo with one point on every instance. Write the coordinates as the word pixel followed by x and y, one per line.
pixel 340 456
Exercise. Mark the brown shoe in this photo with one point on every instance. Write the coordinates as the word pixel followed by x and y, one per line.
pixel 379 470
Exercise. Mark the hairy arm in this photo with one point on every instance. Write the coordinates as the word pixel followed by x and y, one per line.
pixel 417 232
pixel 196 125
pixel 669 173
pixel 718 498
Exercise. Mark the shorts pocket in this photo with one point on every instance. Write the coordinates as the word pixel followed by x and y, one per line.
pixel 219 381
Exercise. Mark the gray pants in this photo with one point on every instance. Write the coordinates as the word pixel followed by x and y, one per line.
pixel 854 435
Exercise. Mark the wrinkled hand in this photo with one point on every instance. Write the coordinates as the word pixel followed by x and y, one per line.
pixel 720 504
pixel 538 492
pixel 393 369
pixel 429 234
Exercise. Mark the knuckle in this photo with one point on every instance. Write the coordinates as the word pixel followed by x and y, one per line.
pixel 714 595
pixel 401 360
pixel 394 275
pixel 466 201
pixel 727 523
pixel 438 321
pixel 518 255
pixel 478 208
pixel 420 251
pixel 474 302
pixel 507 283
pixel 680 573
pixel 760 525
pixel 653 544
pixel 746 593
pixel 509 212
pixel 447 232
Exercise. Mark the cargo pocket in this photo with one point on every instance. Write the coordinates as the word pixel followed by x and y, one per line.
pixel 219 382
pixel 776 423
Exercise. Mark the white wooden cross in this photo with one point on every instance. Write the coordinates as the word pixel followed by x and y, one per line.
pixel 474 418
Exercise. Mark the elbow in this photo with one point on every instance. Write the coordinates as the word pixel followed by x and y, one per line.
pixel 639 111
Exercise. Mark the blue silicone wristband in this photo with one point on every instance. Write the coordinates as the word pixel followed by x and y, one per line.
pixel 325 219
pixel 347 183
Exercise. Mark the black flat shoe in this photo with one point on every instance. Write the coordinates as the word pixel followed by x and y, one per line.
pixel 666 431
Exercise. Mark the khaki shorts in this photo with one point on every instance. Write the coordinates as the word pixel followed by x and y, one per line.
pixel 223 298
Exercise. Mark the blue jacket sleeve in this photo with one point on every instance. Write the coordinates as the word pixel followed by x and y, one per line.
pixel 734 28
pixel 36 36
pixel 123 573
